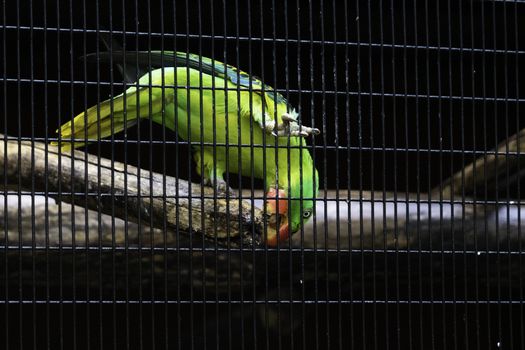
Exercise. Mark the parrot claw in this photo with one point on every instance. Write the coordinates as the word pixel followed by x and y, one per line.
pixel 287 118
pixel 289 127
pixel 221 187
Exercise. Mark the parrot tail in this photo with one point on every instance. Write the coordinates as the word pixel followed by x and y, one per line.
pixel 97 122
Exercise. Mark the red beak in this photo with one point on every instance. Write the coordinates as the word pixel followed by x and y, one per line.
pixel 283 235
pixel 274 205
pixel 278 210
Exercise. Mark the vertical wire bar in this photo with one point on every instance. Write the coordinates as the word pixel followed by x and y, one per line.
pixel 312 113
pixel 463 164
pixel 361 212
pixel 252 174
pixel 239 172
pixel 113 205
pixel 302 233
pixel 227 97
pixel 337 181
pixel 279 175
pixel 140 242
pixel 150 141
pixel 507 168
pixel 477 271
pixel 73 190
pixel 177 211
pixel 521 329
pixel 429 182
pixel 164 170
pixel 85 132
pixel 395 168
pixel 59 190
pixel 201 150
pixel 360 161
pixel 325 168
pixel 383 161
pixel 348 157
pixel 140 114
pixel 214 156
pixel 6 221
pixel 496 185
pixel 485 173
pixel 99 176
pixel 126 233
pixel 86 189
pixel 372 187
pixel 441 167
pixel 46 179
pixel 418 173
pixel 190 190
pixel 33 231
pixel 290 250
pixel 227 163
pixel 99 215
pixel 407 180
pixel 452 198
pixel 19 177
pixel 264 151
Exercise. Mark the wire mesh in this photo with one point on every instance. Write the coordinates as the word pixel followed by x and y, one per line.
pixel 415 238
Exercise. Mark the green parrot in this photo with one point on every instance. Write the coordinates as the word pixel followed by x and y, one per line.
pixel 188 89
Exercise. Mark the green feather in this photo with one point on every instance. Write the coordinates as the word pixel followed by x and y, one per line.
pixel 182 99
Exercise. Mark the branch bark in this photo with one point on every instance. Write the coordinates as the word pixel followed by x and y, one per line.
pixel 481 176
pixel 127 192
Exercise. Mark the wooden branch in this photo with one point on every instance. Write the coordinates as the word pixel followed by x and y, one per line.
pixel 480 176
pixel 115 189
pixel 118 259
pixel 362 221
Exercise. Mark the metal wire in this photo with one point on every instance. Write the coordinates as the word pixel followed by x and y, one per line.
pixel 407 95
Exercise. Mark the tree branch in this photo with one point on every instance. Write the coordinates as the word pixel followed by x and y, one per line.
pixel 127 192
pixel 481 176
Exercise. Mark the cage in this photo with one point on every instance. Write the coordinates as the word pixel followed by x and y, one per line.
pixel 415 236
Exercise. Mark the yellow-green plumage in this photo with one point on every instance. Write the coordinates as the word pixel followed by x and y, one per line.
pixel 227 111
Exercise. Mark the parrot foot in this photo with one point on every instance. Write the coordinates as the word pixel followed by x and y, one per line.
pixel 221 187
pixel 290 127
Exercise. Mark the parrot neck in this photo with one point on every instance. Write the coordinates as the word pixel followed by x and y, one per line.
pixel 293 174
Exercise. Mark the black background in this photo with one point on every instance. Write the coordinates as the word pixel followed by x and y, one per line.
pixel 400 90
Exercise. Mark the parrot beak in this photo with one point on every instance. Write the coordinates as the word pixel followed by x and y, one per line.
pixel 277 208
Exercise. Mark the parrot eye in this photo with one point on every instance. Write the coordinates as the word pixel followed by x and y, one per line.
pixel 307 214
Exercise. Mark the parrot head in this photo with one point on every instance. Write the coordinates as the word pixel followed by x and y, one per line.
pixel 288 210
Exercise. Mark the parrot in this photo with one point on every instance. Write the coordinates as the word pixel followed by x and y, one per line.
pixel 190 94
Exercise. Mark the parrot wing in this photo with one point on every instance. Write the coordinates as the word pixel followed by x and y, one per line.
pixel 158 59
pixel 113 115
pixel 259 109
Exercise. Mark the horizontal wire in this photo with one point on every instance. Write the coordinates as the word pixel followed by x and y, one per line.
pixel 262 250
pixel 320 147
pixel 289 41
pixel 261 301
pixel 377 198
pixel 419 95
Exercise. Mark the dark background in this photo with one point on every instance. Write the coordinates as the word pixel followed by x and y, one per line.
pixel 405 93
